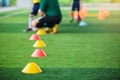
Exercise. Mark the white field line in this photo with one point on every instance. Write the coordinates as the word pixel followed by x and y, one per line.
pixel 12 14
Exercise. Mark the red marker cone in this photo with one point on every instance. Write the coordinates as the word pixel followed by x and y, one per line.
pixel 34 37
pixel 38 53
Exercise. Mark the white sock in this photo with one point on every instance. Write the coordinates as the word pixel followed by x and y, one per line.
pixel 29 22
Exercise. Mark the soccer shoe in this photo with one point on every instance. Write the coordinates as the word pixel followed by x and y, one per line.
pixel 55 29
pixel 48 30
pixel 27 30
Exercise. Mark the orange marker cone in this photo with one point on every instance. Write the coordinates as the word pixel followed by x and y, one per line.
pixel 38 53
pixel 31 68
pixel 39 44
pixel 101 15
pixel 34 37
pixel 82 14
pixel 106 13
pixel 85 11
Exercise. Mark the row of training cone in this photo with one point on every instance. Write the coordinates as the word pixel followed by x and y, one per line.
pixel 39 43
pixel 32 67
pixel 102 14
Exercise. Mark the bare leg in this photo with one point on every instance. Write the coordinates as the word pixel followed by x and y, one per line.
pixel 34 23
pixel 30 21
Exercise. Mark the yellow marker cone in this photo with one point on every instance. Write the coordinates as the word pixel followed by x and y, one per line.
pixel 92 15
pixel 31 68
pixel 39 44
pixel 41 32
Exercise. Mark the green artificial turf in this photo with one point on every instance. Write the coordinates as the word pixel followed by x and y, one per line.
pixel 74 53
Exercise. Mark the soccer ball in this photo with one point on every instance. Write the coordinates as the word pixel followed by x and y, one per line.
pixel 82 23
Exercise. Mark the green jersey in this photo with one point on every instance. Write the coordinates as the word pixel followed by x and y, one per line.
pixel 50 7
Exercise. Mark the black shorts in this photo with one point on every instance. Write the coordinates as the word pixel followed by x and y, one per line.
pixel 35 9
pixel 49 21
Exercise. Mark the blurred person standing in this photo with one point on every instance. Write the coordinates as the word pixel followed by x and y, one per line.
pixel 34 12
pixel 75 8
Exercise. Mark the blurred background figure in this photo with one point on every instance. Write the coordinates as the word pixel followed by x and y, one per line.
pixel 75 10
pixel 4 3
pixel 34 12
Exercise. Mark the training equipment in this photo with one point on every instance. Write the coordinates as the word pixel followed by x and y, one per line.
pixel 32 68
pixel 38 53
pixel 82 23
pixel 39 44
pixel 101 15
pixel 83 12
pixel 41 32
pixel 34 37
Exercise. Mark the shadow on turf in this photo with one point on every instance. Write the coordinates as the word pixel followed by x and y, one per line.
pixel 62 74
pixel 66 28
